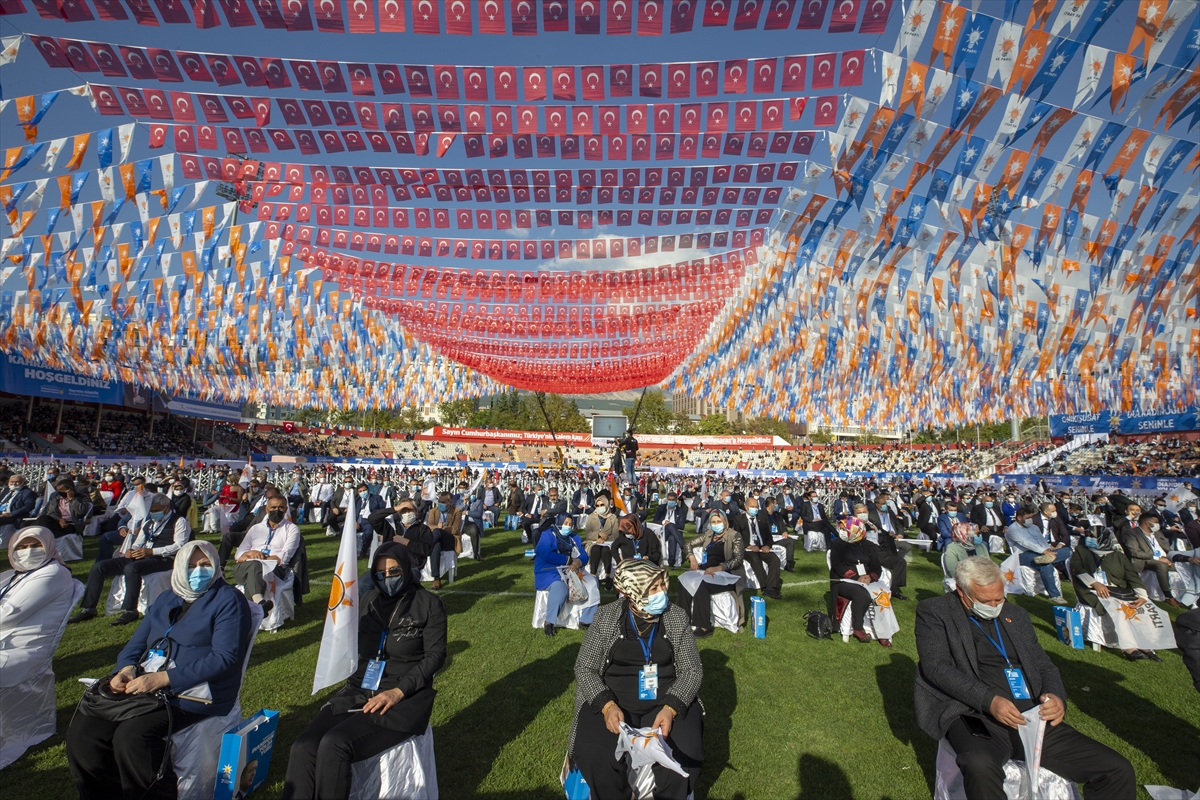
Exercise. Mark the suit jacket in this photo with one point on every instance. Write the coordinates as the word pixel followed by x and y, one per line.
pixel 779 521
pixel 583 497
pixel 454 520
pixel 1059 533
pixel 946 522
pixel 887 541
pixel 676 516
pixel 843 508
pixel 1138 548
pixel 23 501
pixel 515 502
pixel 948 683
pixel 80 508
pixel 421 539
pixel 806 512
pixel 979 517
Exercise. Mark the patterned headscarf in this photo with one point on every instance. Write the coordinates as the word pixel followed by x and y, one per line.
pixel 634 577
pixel 963 532
pixel 630 526
pixel 851 530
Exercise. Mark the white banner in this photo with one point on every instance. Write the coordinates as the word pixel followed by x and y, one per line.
pixel 1144 628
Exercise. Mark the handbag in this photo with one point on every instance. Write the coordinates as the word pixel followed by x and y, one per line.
pixel 101 702
pixel 819 625
pixel 576 590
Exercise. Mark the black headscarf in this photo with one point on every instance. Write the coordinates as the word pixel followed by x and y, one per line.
pixel 382 604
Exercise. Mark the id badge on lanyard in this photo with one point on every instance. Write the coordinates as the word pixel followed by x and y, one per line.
pixel 648 674
pixel 375 666
pixel 1014 675
pixel 1101 576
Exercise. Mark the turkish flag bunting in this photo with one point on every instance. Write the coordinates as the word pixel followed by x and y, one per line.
pixel 716 13
pixel 812 15
pixel 458 19
pixel 620 18
pixel 826 111
pixel 844 17
pixel 747 15
pixel 391 16
pixel 425 18
pixel 650 18
pixel 779 15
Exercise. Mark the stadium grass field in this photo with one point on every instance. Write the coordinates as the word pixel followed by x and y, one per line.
pixel 788 716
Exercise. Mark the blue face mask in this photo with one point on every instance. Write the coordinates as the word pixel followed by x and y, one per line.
pixel 752 512
pixel 157 515
pixel 717 527
pixel 199 578
pixel 977 539
pixel 441 506
pixel 656 604
pixel 670 504
pixel 363 495
pixel 987 504
pixel 1091 543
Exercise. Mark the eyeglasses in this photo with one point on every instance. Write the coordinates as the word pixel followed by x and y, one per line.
pixel 394 572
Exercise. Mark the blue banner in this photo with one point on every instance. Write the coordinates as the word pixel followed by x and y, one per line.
pixel 1131 423
pixel 203 409
pixel 21 376
pixel 1103 483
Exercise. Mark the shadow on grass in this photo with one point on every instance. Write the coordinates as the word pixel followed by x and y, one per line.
pixel 821 779
pixel 473 739
pixel 1158 733
pixel 895 681
pixel 719 694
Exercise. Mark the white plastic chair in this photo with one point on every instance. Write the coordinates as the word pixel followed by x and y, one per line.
pixel 1150 578
pixel 28 710
pixel 196 749
pixel 6 532
pixel 279 591
pixel 70 547
pixel 407 771
pixel 948 582
pixel 726 606
pixel 449 566
pixel 571 614
pixel 815 540
pixel 996 544
pixel 948 782
pixel 1093 627
pixel 752 578
pixel 153 584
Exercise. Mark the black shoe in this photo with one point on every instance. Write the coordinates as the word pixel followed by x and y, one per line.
pixel 267 607
pixel 1136 655
pixel 125 618
pixel 896 595
pixel 1153 656
pixel 789 568
pixel 774 594
pixel 83 616
pixel 549 630
pixel 702 633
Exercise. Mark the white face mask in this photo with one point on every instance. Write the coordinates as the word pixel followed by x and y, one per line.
pixel 29 558
pixel 864 516
pixel 984 611
pixel 408 518
pixel 1051 515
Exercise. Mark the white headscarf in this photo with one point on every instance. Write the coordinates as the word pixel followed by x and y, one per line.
pixel 179 573
pixel 43 535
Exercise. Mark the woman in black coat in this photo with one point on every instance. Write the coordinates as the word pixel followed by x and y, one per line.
pixel 403 626
pixel 853 563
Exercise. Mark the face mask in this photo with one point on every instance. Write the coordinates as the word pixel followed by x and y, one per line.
pixel 157 515
pixel 655 604
pixel 984 611
pixel 441 506
pixel 1161 508
pixel 199 578
pixel 602 510
pixel 29 558
pixel 408 518
pixel 393 586
pixel 1090 542
pixel 177 492
pixel 275 516
pixel 565 528
pixel 1154 527
pixel 671 504
pixel 752 512
pixel 977 540
pixel 348 486
pixel 717 527
pixel 1052 515
pixel 14 487
pixel 108 478
pixel 987 504
pixel 864 516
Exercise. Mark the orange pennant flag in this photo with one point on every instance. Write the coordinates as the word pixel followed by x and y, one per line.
pixel 1122 76
pixel 78 148
pixel 948 29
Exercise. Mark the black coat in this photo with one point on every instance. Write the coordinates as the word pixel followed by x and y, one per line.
pixel 844 558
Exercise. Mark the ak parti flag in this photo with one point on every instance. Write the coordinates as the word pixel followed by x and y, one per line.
pixel 338 657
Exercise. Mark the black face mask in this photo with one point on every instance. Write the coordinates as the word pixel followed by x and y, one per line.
pixel 275 516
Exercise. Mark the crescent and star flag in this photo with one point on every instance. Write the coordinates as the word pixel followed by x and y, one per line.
pixel 338 657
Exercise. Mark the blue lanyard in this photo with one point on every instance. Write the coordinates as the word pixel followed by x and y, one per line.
pixel 645 645
pixel 382 641
pixel 998 642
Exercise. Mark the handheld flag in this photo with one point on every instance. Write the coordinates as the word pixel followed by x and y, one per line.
pixel 338 657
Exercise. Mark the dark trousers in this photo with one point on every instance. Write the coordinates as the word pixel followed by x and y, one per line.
pixel 766 569
pixel 471 530
pixel 109 542
pixel 599 555
pixel 366 535
pixel 860 601
pixel 699 606
pixel 121 759
pixel 443 542
pixel 133 570
pixel 56 526
pixel 898 567
pixel 607 777
pixel 320 759
pixel 249 575
pixel 229 542
pixel 675 545
pixel 1105 773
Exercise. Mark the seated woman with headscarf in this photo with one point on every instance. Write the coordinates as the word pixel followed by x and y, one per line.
pixel 599 535
pixel 721 551
pixel 965 541
pixel 401 645
pixel 634 542
pixel 639 665
pixel 557 547
pixel 1099 569
pixel 35 596
pixel 854 563
pixel 197 633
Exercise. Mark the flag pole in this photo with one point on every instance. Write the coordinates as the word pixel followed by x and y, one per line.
pixel 537 396
pixel 638 409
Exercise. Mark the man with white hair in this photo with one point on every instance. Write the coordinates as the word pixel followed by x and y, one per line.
pixel 981 668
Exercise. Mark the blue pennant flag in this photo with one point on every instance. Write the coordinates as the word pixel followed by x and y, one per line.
pixel 970 43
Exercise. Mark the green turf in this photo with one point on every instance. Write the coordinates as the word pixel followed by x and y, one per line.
pixel 788 716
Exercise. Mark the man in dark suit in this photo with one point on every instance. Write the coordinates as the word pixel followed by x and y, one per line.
pixel 813 516
pixel 775 522
pixel 844 505
pixel 583 501
pixel 981 667
pixel 539 510
pixel 891 542
pixel 672 516
pixel 757 541
pixel 927 514
pixel 987 515
pixel 16 502
pixel 1051 525
pixel 402 523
